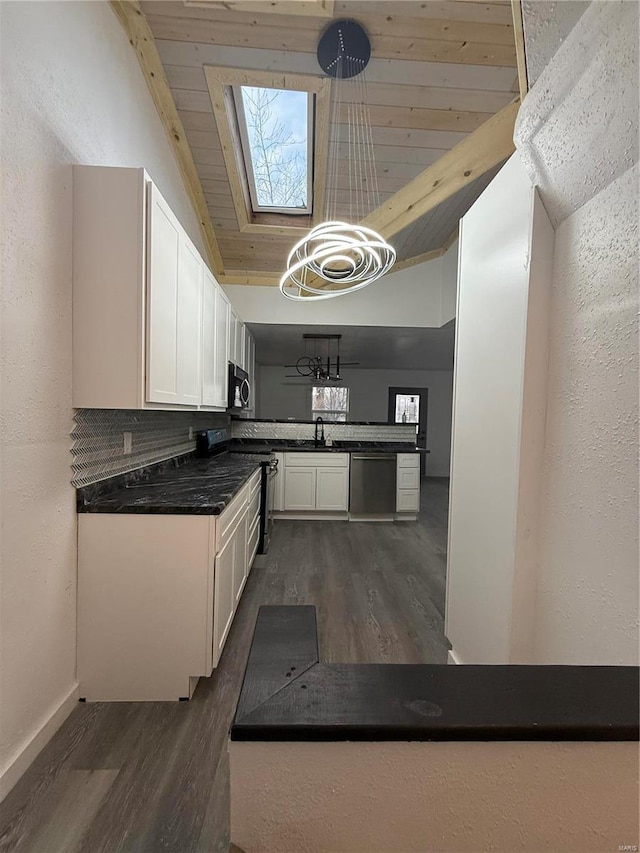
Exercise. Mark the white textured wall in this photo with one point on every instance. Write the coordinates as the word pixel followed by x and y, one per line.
pixel 578 133
pixel 369 399
pixel 449 292
pixel 547 23
pixel 409 298
pixel 72 92
pixel 445 797
pixel 587 608
pixel 577 129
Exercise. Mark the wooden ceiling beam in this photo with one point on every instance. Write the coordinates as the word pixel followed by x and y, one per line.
pixel 521 56
pixel 485 147
pixel 142 40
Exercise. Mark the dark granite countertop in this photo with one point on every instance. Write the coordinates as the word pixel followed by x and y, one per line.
pixel 289 695
pixel 197 487
pixel 296 421
pixel 308 446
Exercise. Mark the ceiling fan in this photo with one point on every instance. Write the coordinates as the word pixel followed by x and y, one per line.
pixel 317 367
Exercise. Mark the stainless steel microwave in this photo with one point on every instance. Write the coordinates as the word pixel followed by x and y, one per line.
pixel 239 388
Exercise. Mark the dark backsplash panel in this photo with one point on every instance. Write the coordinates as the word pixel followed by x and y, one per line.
pixel 98 439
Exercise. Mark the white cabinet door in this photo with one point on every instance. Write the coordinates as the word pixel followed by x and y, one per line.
pixel 222 349
pixel 247 352
pixel 233 322
pixel 252 543
pixel 223 596
pixel 190 272
pixel 251 369
pixel 241 359
pixel 215 375
pixel 209 329
pixel 278 490
pixel 240 559
pixel 174 319
pixel 162 302
pixel 299 488
pixel 332 488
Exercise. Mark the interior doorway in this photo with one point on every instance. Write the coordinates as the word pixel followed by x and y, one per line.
pixel 409 406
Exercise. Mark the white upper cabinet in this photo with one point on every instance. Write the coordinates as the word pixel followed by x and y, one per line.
pixel 231 343
pixel 190 270
pixel 215 330
pixel 209 340
pixel 237 341
pixel 162 302
pixel 150 323
pixel 222 349
pixel 240 359
pixel 250 361
pixel 174 306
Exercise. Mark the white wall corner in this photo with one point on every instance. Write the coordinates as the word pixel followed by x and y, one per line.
pixel 587 96
pixel 449 284
pixel 36 741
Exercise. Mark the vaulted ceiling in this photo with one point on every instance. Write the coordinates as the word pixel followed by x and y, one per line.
pixel 439 84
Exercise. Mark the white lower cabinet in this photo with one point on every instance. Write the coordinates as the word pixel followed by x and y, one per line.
pixel 300 488
pixel 408 483
pixel 224 601
pixel 240 568
pixel 157 595
pixel 316 481
pixel 332 488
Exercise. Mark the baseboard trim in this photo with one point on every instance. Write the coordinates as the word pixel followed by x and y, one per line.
pixel 311 515
pixel 20 763
pixel 452 657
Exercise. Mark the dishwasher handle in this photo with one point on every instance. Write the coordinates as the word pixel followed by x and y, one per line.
pixel 377 456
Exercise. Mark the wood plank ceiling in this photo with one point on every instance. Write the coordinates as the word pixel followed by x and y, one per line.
pixel 439 70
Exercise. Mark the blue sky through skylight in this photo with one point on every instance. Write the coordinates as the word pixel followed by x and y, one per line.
pixel 277 123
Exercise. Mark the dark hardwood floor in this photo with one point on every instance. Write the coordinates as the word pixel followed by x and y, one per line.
pixel 150 777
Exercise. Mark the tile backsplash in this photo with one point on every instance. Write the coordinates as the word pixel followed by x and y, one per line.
pixel 98 437
pixel 339 432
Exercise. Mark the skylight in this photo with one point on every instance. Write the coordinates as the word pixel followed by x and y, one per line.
pixel 275 128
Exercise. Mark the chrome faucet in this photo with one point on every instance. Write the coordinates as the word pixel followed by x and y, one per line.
pixel 319 441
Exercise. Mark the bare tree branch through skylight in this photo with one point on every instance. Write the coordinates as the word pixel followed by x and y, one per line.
pixel 277 121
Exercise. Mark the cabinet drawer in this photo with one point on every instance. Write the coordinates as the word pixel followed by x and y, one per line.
pixel 407 500
pixel 408 460
pixel 408 478
pixel 254 508
pixel 229 519
pixel 252 544
pixel 320 460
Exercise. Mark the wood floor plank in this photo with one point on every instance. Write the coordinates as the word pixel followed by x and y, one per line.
pixel 154 776
pixel 75 797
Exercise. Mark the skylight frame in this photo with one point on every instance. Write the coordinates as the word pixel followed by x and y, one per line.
pixel 238 101
pixel 220 80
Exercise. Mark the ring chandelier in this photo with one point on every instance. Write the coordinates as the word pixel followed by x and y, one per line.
pixel 335 257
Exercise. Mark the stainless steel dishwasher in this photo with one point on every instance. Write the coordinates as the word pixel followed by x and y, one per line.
pixel 373 483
